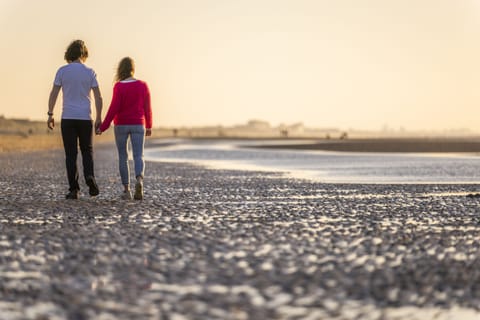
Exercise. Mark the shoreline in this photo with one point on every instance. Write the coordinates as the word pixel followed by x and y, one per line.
pixel 51 141
pixel 386 145
pixel 327 167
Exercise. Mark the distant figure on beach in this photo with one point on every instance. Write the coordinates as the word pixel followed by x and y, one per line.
pixel 76 80
pixel 131 113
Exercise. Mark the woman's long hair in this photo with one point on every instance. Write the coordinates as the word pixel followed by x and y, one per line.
pixel 76 50
pixel 126 69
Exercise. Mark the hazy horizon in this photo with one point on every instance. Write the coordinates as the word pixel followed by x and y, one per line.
pixel 345 64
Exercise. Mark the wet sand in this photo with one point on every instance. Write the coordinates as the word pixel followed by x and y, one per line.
pixel 417 145
pixel 15 143
pixel 216 244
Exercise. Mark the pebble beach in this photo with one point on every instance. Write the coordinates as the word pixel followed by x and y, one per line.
pixel 224 244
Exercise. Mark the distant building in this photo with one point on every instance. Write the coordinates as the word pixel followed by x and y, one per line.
pixel 296 129
pixel 258 125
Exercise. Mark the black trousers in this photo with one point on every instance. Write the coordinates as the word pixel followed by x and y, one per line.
pixel 76 132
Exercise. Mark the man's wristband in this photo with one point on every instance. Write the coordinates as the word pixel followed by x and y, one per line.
pixel 50 113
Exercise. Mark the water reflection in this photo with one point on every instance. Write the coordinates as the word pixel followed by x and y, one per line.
pixel 325 166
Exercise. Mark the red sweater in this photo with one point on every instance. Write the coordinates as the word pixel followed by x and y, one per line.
pixel 130 105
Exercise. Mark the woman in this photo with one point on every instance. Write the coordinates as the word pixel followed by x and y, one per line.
pixel 131 113
pixel 76 81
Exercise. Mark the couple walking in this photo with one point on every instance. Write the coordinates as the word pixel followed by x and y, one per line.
pixel 130 110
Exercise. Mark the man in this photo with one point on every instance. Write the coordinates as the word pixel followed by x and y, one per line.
pixel 76 80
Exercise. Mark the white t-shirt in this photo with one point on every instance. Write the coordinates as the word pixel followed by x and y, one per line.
pixel 76 81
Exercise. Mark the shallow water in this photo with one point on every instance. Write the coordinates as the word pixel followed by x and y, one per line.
pixel 325 166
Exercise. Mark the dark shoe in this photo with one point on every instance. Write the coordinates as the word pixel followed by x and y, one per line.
pixel 92 185
pixel 126 195
pixel 72 195
pixel 138 190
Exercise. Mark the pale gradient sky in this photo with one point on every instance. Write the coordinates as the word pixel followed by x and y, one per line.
pixel 327 63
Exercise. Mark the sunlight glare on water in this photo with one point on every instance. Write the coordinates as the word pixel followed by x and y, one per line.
pixel 324 166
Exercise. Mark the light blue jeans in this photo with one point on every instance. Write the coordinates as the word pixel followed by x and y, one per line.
pixel 137 138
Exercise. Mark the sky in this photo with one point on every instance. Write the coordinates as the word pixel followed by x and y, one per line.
pixel 348 64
